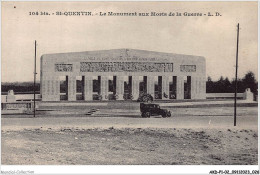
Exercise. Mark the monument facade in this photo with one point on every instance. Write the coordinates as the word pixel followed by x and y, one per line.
pixel 122 74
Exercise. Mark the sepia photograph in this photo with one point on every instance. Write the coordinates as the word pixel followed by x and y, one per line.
pixel 129 83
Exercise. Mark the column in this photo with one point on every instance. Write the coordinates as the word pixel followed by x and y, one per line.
pixel 120 87
pixel 180 87
pixel 203 88
pixel 194 92
pixel 50 88
pixel 135 87
pixel 88 88
pixel 71 88
pixel 165 86
pixel 150 85
pixel 44 89
pixel 104 87
pixel 200 88
pixel 56 88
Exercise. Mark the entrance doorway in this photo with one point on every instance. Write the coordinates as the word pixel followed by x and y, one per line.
pixel 142 85
pixel 127 87
pixel 80 87
pixel 112 87
pixel 158 87
pixel 172 87
pixel 187 87
pixel 63 87
pixel 96 87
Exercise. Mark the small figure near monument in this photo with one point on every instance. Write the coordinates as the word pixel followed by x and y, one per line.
pixel 10 96
pixel 248 95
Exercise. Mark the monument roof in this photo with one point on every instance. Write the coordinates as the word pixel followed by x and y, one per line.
pixel 124 52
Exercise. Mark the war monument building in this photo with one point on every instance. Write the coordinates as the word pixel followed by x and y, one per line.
pixel 121 74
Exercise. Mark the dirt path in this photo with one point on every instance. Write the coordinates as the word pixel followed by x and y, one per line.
pixel 56 123
pixel 129 146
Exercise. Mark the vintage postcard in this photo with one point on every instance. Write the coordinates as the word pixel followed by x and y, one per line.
pixel 129 83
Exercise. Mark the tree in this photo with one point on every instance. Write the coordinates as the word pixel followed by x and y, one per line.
pixel 249 81
pixel 240 86
pixel 220 85
pixel 210 85
pixel 223 85
pixel 227 85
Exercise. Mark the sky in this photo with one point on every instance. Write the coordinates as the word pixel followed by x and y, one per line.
pixel 212 37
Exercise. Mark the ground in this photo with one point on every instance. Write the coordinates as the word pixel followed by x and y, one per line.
pixel 129 146
pixel 192 136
